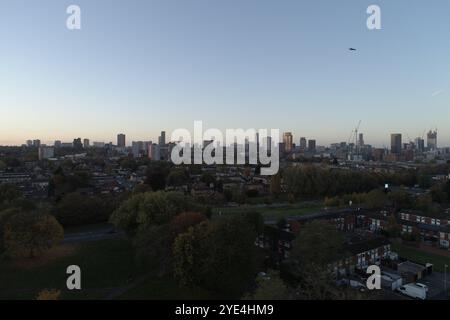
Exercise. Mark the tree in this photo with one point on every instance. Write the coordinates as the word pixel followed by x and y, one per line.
pixel 318 242
pixel 217 255
pixel 46 294
pixel 183 221
pixel 77 209
pixel 275 184
pixel 141 188
pixel 27 234
pixel 8 193
pixel 400 199
pixel 153 248
pixel 314 251
pixel 270 287
pixel 317 283
pixel 393 228
pixel 177 177
pixel 150 208
pixel 375 199
pixel 156 175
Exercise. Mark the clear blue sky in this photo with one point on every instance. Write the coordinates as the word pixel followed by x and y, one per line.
pixel 139 67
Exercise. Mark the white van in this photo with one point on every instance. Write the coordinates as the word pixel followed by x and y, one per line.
pixel 413 291
pixel 422 286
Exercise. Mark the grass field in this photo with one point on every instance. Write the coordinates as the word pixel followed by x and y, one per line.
pixel 105 265
pixel 273 211
pixel 163 288
pixel 422 257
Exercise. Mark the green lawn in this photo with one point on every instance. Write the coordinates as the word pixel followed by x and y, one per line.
pixel 163 288
pixel 419 256
pixel 273 211
pixel 104 265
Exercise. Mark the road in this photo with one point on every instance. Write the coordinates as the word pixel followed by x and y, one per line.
pixel 94 235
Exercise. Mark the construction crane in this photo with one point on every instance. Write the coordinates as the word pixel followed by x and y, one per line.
pixel 354 138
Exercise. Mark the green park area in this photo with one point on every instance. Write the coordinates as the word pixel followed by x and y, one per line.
pixel 108 269
pixel 274 211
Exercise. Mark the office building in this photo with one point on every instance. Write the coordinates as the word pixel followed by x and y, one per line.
pixel 36 143
pixel 432 140
pixel 154 152
pixel 121 140
pixel 77 143
pixel 420 144
pixel 396 143
pixel 287 140
pixel 162 138
pixel 312 145
pixel 303 143
pixel 361 140
pixel 45 152
pixel 86 143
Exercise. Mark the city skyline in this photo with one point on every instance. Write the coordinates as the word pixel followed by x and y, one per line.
pixel 146 67
pixel 428 139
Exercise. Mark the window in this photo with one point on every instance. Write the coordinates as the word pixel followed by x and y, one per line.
pixel 417 218
pixel 438 222
pixel 442 235
pixel 433 221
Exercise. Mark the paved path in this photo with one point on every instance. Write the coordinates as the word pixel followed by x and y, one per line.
pixel 96 235
pixel 117 292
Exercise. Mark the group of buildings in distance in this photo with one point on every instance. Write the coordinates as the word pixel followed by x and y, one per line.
pixel 356 150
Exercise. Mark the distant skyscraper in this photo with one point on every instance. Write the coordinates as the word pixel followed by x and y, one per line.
pixel 361 140
pixel 86 143
pixel 57 144
pixel 432 140
pixel 36 143
pixel 287 140
pixel 312 145
pixel 162 138
pixel 29 143
pixel 121 140
pixel 137 148
pixel 420 144
pixel 396 143
pixel 77 143
pixel 303 144
pixel 154 152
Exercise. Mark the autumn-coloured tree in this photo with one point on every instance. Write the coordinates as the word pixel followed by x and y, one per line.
pixel 181 223
pixel 47 294
pixel 27 234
